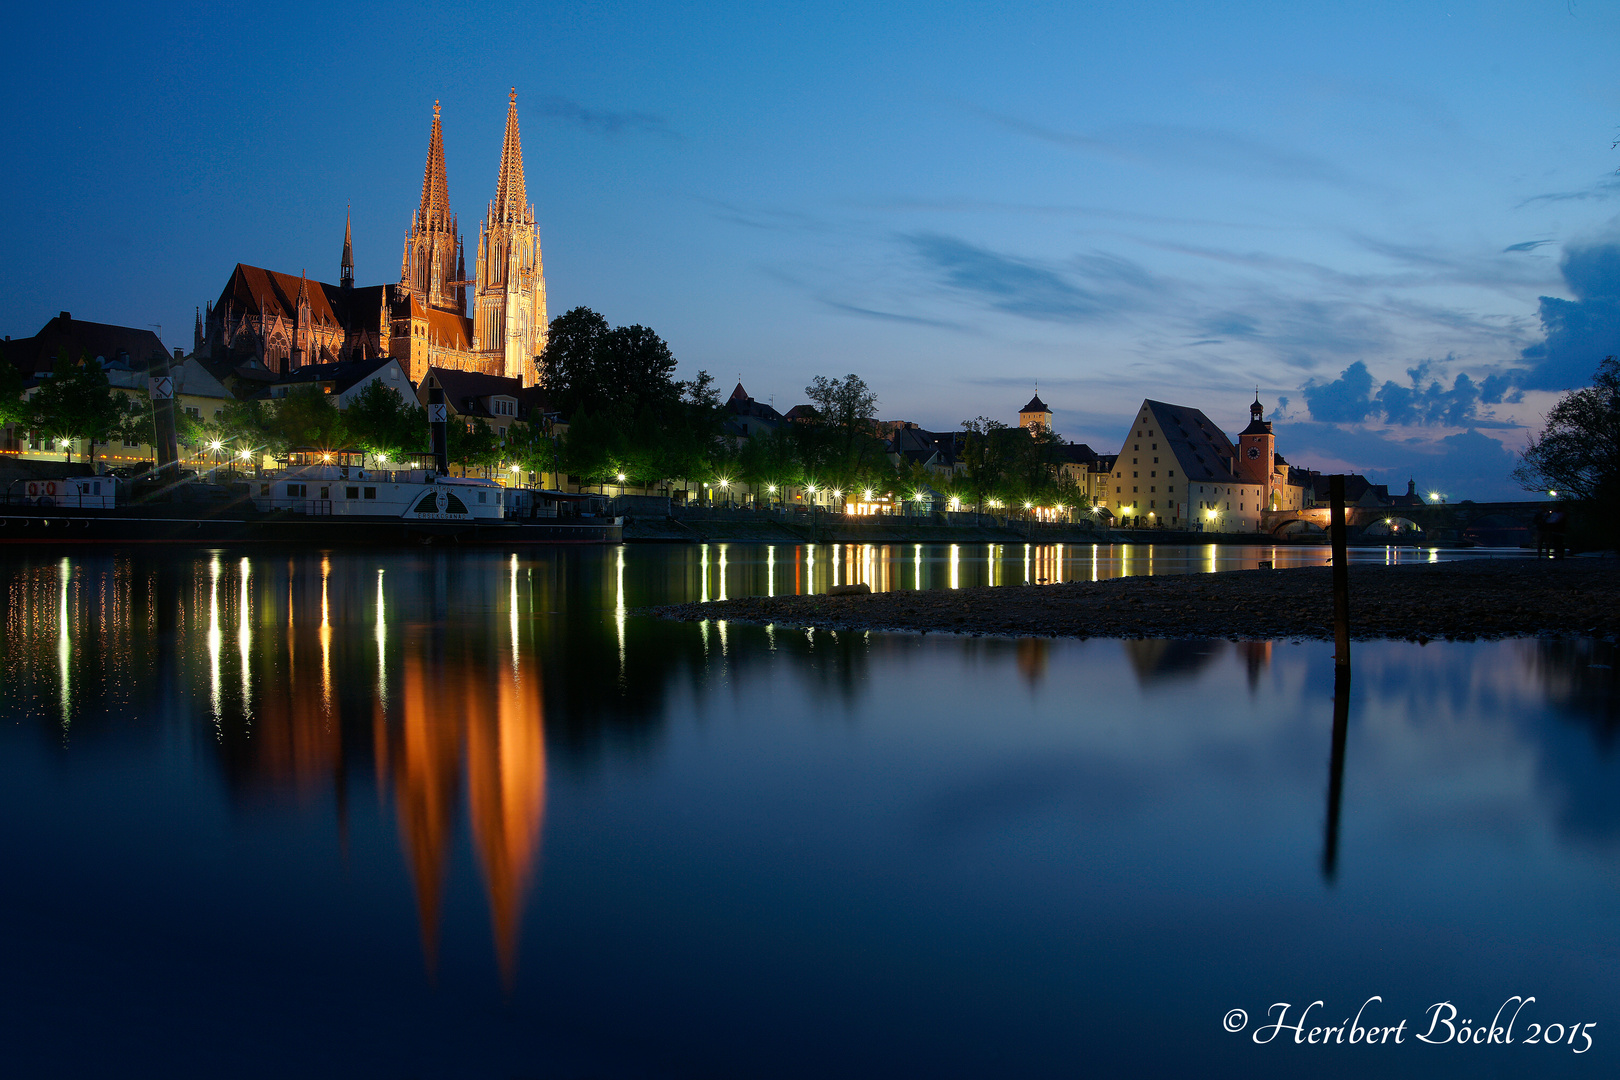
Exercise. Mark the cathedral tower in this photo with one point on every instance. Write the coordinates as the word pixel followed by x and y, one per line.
pixel 432 252
pixel 346 268
pixel 509 314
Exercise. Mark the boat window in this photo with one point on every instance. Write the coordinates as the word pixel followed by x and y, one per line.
pixel 295 491
pixel 480 496
pixel 371 493
pixel 456 506
pixel 351 493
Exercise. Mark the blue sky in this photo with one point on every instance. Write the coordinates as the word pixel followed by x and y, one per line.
pixel 1397 220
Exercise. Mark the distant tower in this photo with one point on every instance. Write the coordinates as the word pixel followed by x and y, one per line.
pixel 346 269
pixel 432 249
pixel 1035 416
pixel 1257 450
pixel 509 303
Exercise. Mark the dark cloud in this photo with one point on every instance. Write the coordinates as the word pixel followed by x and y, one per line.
pixel 1345 400
pixel 1466 465
pixel 1497 389
pixel 1527 245
pixel 1582 331
pixel 1426 401
pixel 603 120
pixel 1015 286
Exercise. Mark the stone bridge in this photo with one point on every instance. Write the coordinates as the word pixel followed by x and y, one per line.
pixel 1497 524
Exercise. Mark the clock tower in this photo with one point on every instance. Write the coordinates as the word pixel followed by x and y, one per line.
pixel 1257 451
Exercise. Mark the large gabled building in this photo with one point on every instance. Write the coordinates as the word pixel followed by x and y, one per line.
pixel 1177 469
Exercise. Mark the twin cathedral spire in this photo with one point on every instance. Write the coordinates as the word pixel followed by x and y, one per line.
pixel 508 322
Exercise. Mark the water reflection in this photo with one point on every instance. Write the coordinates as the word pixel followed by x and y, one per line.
pixel 746 811
pixel 721 571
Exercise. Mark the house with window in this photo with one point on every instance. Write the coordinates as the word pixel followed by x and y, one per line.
pixel 347 380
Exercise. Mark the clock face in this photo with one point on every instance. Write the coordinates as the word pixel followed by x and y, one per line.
pixel 1254 451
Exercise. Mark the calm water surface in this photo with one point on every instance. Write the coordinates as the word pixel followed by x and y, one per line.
pixel 450 814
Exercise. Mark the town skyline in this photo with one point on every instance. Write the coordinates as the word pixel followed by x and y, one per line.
pixel 1363 218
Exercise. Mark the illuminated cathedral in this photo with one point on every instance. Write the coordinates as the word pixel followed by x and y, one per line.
pixel 285 322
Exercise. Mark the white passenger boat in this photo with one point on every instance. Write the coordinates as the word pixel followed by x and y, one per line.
pixel 345 491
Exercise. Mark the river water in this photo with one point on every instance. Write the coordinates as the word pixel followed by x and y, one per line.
pixel 466 814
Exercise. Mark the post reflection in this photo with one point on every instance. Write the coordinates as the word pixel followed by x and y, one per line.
pixel 1335 796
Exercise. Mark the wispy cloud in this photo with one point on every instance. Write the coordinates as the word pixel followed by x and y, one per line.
pixel 1527 245
pixel 1183 146
pixel 1011 285
pixel 607 121
pixel 1602 189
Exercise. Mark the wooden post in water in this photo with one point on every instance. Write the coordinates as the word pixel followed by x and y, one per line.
pixel 1341 575
pixel 1341 676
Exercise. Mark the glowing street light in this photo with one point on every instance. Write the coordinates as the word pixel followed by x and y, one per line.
pixel 621 477
pixel 215 445
pixel 867 494
pixel 771 488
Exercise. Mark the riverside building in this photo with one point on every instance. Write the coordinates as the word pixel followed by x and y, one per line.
pixel 1178 470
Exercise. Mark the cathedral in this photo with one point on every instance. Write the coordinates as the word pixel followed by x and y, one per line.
pixel 286 322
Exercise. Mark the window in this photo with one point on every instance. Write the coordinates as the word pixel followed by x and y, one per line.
pixel 1171 473
pixel 264 489
pixel 351 493
pixel 326 493
pixel 129 442
pixel 480 496
pixel 296 491
pixel 193 412
pixel 1153 472
pixel 371 493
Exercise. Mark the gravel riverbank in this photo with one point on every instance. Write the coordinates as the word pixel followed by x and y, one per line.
pixel 1463 599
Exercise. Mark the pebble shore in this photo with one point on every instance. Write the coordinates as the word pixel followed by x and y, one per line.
pixel 1462 600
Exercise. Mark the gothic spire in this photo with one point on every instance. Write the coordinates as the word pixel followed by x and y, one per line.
pixel 346 270
pixel 435 209
pixel 511 200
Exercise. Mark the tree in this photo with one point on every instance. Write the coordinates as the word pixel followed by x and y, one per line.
pixel 531 446
pixel 14 410
pixel 846 411
pixel 76 402
pixel 1578 453
pixel 986 457
pixel 307 418
pixel 472 444
pixel 569 363
pixel 383 423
